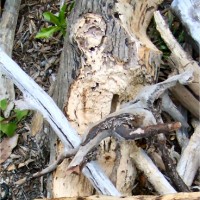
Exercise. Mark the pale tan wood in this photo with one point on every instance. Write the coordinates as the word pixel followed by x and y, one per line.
pixel 186 98
pixel 178 196
pixel 117 59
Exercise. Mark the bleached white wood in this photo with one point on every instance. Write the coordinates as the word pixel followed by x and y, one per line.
pixel 155 177
pixel 189 13
pixel 37 99
pixel 190 159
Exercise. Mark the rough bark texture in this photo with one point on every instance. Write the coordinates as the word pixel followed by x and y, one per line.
pixel 7 26
pixel 107 60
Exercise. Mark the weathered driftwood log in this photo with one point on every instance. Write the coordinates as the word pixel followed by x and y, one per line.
pixel 36 99
pixel 189 14
pixel 107 76
pixel 181 61
pixel 7 31
pixel 107 59
pixel 178 196
pixel 137 119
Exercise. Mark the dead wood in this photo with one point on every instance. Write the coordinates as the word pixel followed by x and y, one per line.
pixel 107 60
pixel 178 196
pixel 39 100
pixel 7 26
pixel 98 64
pixel 181 61
pixel 121 126
pixel 36 99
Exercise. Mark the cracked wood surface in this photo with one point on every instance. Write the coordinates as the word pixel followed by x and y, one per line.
pixel 106 61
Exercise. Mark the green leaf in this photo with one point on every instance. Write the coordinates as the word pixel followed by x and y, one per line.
pixel 9 128
pixel 48 16
pixel 47 32
pixel 3 104
pixel 20 114
pixel 61 15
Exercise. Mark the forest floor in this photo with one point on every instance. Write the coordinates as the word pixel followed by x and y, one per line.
pixel 40 60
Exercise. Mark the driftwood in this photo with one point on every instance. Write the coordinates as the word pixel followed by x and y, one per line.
pixel 189 14
pixel 107 60
pixel 178 196
pixel 7 26
pixel 181 61
pixel 38 100
pixel 89 35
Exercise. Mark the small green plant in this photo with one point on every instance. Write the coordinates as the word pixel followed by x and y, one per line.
pixel 9 125
pixel 60 23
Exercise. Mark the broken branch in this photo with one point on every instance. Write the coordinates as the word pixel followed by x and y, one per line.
pixel 123 126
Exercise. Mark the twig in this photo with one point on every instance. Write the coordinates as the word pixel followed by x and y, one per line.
pixel 169 165
pixel 169 107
